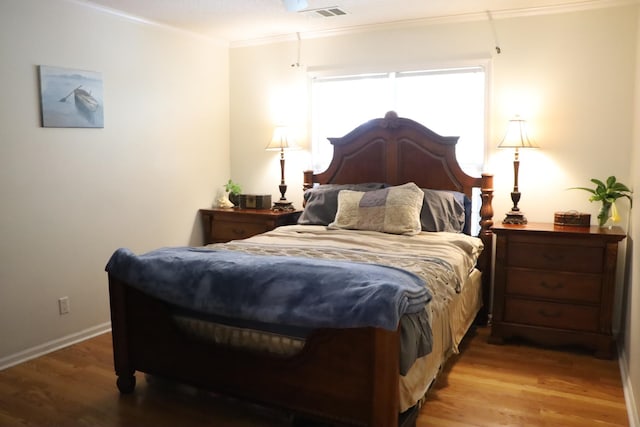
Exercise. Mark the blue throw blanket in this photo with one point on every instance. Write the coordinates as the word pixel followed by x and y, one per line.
pixel 274 289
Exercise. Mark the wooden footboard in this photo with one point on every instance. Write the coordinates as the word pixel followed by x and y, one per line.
pixel 346 376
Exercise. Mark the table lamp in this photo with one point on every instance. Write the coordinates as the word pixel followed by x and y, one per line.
pixel 516 137
pixel 282 140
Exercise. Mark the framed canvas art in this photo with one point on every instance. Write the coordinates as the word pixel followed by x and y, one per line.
pixel 71 98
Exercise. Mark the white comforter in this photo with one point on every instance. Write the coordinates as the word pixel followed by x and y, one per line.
pixel 457 253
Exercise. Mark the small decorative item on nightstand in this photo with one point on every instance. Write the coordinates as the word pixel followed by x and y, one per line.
pixel 224 202
pixel 255 201
pixel 607 194
pixel 573 218
pixel 233 190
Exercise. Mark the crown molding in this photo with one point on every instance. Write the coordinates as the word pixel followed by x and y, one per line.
pixel 437 20
pixel 445 19
pixel 143 21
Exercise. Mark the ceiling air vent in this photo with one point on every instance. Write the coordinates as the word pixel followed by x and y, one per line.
pixel 334 11
pixel 325 12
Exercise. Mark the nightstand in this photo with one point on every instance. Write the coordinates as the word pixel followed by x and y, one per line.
pixel 555 285
pixel 222 225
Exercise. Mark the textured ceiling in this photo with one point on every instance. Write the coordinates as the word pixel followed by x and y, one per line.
pixel 237 21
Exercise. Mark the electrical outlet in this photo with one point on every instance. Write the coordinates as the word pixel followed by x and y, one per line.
pixel 63 305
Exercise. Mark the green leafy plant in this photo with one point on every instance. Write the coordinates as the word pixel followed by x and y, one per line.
pixel 232 187
pixel 607 193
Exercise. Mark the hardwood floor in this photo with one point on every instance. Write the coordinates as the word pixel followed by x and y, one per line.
pixel 523 385
pixel 487 385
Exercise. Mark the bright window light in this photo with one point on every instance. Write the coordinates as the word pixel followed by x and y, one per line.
pixel 451 102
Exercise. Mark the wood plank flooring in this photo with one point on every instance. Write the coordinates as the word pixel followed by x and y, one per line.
pixel 487 385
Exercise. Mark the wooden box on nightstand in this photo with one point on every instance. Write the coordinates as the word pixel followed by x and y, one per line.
pixel 222 225
pixel 555 285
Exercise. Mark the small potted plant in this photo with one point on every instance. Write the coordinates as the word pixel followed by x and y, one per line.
pixel 607 193
pixel 233 189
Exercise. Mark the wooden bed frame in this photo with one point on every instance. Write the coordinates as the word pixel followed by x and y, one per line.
pixel 343 376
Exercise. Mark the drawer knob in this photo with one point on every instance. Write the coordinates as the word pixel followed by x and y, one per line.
pixel 550 286
pixel 553 257
pixel 238 231
pixel 545 313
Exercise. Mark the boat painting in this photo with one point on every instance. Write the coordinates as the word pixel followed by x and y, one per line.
pixel 71 98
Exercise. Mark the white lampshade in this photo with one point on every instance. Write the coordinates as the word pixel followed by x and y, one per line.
pixel 517 136
pixel 282 139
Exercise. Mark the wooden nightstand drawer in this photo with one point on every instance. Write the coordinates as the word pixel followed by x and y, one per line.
pixel 558 257
pixel 553 315
pixel 555 285
pixel 222 225
pixel 234 230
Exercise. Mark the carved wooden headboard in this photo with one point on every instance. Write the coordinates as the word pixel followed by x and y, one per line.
pixel 397 150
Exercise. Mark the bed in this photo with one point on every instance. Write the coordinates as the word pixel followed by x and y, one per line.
pixel 346 375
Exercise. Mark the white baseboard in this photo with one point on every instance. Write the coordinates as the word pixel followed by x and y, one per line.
pixel 632 409
pixel 48 347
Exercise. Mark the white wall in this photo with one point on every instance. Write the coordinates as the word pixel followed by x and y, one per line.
pixel 631 320
pixel 70 197
pixel 570 74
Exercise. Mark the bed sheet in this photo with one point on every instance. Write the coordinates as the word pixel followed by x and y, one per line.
pixel 449 326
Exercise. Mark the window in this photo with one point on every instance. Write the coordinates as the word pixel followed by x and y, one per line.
pixel 451 102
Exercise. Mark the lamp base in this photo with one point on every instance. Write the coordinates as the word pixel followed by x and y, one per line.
pixel 514 217
pixel 283 205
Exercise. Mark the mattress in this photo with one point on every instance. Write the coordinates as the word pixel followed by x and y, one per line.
pixel 251 339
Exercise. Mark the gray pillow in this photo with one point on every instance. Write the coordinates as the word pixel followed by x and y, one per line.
pixel 444 211
pixel 321 203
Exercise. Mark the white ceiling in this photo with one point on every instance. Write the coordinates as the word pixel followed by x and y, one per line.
pixel 241 21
